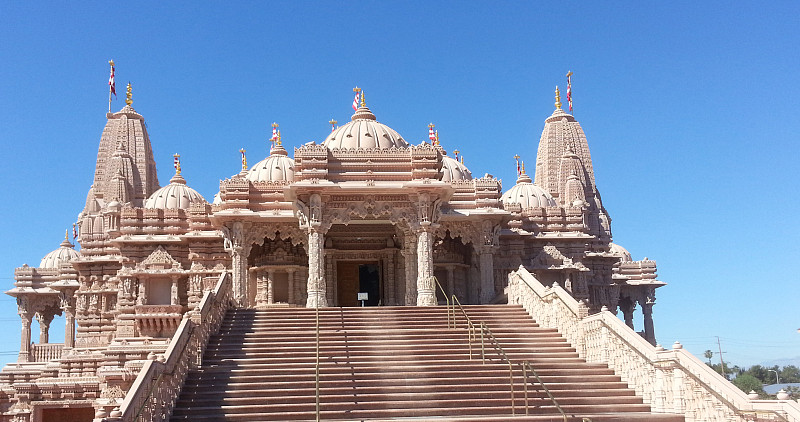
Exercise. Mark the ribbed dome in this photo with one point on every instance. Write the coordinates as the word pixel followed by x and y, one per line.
pixel 364 132
pixel 452 170
pixel 278 167
pixel 65 253
pixel 527 195
pixel 173 196
pixel 620 252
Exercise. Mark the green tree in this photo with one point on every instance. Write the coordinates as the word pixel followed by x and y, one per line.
pixel 708 354
pixel 747 382
pixel 790 373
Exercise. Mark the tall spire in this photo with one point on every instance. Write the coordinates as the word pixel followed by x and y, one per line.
pixel 244 159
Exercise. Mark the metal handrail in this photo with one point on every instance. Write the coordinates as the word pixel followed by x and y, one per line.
pixel 316 375
pixel 526 366
pixel 446 298
pixel 485 332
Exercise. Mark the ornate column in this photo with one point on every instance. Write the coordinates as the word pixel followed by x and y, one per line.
pixel 647 310
pixel 487 274
pixel 390 279
pixel 317 293
pixel 26 314
pixel 234 244
pixel 270 286
pixel 489 233
pixel 649 331
pixel 68 306
pixel 44 318
pixel 426 293
pixel 451 283
pixel 410 262
pixel 290 285
pixel 627 312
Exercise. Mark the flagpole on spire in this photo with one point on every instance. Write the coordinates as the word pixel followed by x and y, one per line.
pixel 333 124
pixel 569 90
pixel 177 164
pixel 357 98
pixel 112 85
pixel 516 157
pixel 274 134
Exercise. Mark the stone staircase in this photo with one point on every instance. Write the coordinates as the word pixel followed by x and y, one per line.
pixel 395 363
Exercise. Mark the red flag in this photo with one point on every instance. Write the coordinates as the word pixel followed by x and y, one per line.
pixel 431 134
pixel 357 100
pixel 569 89
pixel 177 163
pixel 274 132
pixel 74 232
pixel 112 85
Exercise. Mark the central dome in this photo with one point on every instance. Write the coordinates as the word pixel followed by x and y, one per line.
pixel 364 131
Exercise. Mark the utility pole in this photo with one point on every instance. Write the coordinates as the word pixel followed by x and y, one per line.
pixel 722 364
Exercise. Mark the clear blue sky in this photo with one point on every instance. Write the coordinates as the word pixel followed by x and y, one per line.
pixel 690 110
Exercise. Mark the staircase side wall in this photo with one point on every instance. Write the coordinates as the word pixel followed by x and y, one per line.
pixel 671 381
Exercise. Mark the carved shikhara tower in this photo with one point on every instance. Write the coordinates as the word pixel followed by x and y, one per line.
pixel 361 211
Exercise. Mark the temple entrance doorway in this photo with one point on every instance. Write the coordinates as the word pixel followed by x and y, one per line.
pixel 354 277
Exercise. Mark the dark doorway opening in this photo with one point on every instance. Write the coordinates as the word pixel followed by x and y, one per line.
pixel 369 281
pixel 358 277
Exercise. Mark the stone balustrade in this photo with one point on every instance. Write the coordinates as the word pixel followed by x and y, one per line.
pixel 671 381
pixel 45 352
pixel 158 384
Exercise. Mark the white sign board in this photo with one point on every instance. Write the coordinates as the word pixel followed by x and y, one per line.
pixel 363 296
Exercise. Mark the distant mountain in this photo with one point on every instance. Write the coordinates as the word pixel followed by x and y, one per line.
pixel 782 362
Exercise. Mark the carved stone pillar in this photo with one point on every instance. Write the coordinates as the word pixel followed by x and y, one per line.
pixel 388 289
pixel 44 318
pixel 649 331
pixel 240 276
pixel 69 328
pixel 317 294
pixel 410 262
pixel 270 287
pixel 290 285
pixel 426 293
pixel 25 313
pixel 487 274
pixel 628 307
pixel 451 283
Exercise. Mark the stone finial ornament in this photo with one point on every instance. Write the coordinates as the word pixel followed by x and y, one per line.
pixel 129 95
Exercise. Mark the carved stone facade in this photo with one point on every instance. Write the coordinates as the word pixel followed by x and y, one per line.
pixel 362 211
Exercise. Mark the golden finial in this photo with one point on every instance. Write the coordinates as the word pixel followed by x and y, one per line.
pixel 436 136
pixel 111 62
pixel 558 98
pixel 129 95
pixel 523 166
pixel 66 235
pixel 333 124
pixel 278 140
pixel 244 159
pixel 462 159
pixel 177 164
pixel 363 102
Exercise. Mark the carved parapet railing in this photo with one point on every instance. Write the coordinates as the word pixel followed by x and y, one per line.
pixel 671 381
pixel 156 388
pixel 45 352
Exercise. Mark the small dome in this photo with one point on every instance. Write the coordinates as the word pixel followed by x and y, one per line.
pixel 364 132
pixel 65 253
pixel 278 167
pixel 621 252
pixel 528 195
pixel 453 171
pixel 175 195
